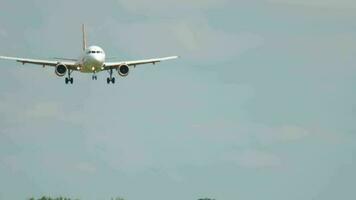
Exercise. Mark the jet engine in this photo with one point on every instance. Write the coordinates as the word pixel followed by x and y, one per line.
pixel 123 70
pixel 61 70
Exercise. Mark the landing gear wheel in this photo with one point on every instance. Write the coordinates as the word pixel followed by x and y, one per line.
pixel 69 79
pixel 110 79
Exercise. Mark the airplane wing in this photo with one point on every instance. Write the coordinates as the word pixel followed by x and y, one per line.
pixel 70 64
pixel 114 65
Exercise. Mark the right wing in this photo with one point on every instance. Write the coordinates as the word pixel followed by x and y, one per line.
pixel 70 64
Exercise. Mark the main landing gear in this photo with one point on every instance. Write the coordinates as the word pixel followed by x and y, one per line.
pixel 110 79
pixel 69 79
pixel 94 77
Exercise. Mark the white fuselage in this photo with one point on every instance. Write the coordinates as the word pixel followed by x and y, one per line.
pixel 92 60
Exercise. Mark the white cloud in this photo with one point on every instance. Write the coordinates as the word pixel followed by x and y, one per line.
pixel 16 113
pixel 193 39
pixel 11 162
pixel 319 3
pixel 280 134
pixel 43 110
pixel 242 134
pixel 126 154
pixel 156 7
pixel 85 167
pixel 181 28
pixel 254 159
pixel 3 33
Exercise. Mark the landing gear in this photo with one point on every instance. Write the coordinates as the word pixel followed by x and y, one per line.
pixel 94 77
pixel 110 79
pixel 69 79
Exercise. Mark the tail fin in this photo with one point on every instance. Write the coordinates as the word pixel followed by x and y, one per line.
pixel 84 37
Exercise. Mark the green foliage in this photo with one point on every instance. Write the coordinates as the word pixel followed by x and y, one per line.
pixel 65 198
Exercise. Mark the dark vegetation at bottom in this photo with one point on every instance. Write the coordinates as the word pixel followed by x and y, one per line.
pixel 66 198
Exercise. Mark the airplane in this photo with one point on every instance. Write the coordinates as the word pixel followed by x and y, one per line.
pixel 92 60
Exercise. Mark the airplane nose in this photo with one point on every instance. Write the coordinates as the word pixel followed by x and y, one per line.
pixel 100 59
pixel 97 59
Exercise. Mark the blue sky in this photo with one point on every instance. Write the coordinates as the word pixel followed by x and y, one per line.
pixel 260 106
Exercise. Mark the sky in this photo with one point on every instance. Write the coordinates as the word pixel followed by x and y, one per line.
pixel 261 104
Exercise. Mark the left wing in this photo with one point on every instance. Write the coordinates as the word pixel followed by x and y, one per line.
pixel 114 65
pixel 70 64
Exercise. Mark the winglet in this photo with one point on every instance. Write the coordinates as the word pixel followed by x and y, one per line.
pixel 84 37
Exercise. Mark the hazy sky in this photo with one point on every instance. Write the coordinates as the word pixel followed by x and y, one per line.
pixel 262 104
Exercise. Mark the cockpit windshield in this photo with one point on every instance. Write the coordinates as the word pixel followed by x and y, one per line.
pixel 92 52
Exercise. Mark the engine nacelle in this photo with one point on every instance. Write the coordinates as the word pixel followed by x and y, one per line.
pixel 61 70
pixel 123 70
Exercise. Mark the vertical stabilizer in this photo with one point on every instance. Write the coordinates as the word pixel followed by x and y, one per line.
pixel 84 38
